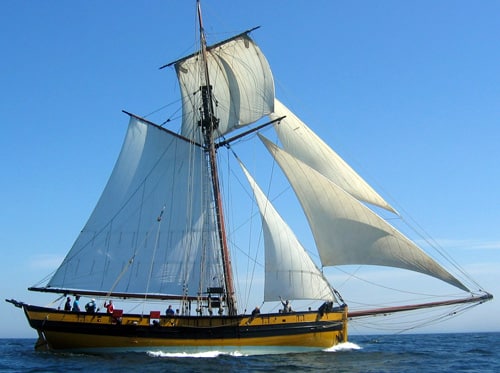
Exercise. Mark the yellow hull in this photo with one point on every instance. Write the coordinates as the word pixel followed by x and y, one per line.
pixel 298 331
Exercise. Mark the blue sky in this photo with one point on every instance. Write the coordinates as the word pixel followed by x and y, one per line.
pixel 407 92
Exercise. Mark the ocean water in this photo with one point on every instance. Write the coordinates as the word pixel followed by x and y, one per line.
pixel 384 353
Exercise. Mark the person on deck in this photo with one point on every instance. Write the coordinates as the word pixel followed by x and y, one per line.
pixel 76 305
pixel 109 307
pixel 90 307
pixel 287 308
pixel 67 305
pixel 256 311
pixel 170 311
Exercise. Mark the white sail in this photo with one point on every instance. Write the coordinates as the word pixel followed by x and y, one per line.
pixel 298 140
pixel 289 271
pixel 125 246
pixel 242 85
pixel 346 231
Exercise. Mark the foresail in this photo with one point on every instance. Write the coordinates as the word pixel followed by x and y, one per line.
pixel 145 233
pixel 298 140
pixel 290 272
pixel 242 85
pixel 346 231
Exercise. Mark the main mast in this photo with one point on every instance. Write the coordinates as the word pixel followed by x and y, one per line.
pixel 209 124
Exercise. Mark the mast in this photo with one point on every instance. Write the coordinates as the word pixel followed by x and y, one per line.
pixel 209 124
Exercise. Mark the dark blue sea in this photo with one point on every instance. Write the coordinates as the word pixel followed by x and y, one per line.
pixel 384 353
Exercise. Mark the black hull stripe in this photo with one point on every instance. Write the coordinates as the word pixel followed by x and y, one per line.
pixel 174 332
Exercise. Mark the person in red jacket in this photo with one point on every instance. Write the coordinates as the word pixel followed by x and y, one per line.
pixel 109 307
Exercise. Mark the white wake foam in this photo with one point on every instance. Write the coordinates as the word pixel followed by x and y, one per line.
pixel 206 354
pixel 346 346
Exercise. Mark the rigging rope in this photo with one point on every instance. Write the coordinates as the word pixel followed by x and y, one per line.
pixel 153 256
pixel 353 275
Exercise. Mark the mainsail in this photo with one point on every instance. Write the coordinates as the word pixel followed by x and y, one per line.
pixel 153 224
pixel 345 230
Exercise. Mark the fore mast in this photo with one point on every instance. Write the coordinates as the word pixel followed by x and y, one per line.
pixel 209 124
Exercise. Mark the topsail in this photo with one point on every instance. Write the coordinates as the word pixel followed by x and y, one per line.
pixel 242 86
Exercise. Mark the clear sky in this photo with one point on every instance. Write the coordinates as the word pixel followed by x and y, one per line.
pixel 407 92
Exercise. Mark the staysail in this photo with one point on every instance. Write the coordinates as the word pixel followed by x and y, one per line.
pixel 242 86
pixel 289 271
pixel 154 217
pixel 298 140
pixel 345 230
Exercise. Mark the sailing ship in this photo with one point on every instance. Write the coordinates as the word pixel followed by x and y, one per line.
pixel 159 232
